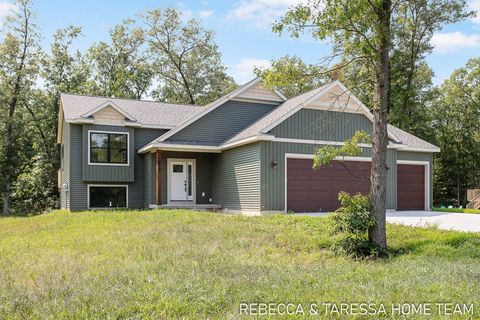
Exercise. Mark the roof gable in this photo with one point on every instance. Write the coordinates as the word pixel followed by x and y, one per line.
pixel 332 97
pixel 148 114
pixel 236 94
pixel 260 92
pixel 101 109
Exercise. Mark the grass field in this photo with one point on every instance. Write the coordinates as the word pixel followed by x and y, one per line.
pixel 458 210
pixel 198 265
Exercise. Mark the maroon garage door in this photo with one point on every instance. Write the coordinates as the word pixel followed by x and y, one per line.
pixel 410 187
pixel 310 190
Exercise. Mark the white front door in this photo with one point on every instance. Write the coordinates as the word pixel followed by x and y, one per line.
pixel 181 176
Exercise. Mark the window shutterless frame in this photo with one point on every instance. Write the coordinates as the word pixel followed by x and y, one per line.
pixel 107 163
pixel 105 185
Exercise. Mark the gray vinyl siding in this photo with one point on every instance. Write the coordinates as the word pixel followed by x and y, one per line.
pixel 203 163
pixel 273 179
pixel 149 177
pixel 65 170
pixel 311 124
pixel 420 156
pixel 223 122
pixel 236 178
pixel 78 189
pixel 134 175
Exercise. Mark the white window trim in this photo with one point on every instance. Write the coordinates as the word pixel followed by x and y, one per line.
pixel 194 179
pixel 426 165
pixel 311 156
pixel 104 185
pixel 108 164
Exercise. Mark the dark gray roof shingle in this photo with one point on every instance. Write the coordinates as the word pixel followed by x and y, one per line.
pixel 149 113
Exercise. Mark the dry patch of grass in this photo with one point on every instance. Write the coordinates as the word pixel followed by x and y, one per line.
pixel 183 264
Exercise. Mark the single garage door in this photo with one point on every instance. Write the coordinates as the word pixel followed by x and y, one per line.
pixel 310 190
pixel 410 187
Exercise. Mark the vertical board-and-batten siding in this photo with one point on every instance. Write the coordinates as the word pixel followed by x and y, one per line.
pixel 236 178
pixel 223 122
pixel 108 173
pixel 420 156
pixel 82 174
pixel 65 171
pixel 313 124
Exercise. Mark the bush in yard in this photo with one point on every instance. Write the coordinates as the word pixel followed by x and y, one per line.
pixel 350 224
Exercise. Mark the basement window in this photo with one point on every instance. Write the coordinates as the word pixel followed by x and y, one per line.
pixel 101 197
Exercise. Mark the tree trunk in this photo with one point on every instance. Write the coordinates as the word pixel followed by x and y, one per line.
pixel 378 178
pixel 6 200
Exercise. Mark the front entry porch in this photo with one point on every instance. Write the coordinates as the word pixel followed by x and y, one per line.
pixel 182 180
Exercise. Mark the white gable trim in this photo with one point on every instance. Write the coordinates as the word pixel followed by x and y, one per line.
pixel 109 103
pixel 209 109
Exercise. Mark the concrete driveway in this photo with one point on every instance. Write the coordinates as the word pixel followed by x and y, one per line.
pixel 443 220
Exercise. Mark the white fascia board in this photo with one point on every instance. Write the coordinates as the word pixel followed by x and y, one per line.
pixel 126 123
pixel 217 103
pixel 60 124
pixel 178 147
pixel 416 149
pixel 109 103
pixel 199 148
pixel 260 137
pixel 81 120
pixel 278 93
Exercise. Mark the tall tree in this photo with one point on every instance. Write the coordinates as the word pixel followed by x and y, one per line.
pixel 64 70
pixel 186 59
pixel 413 25
pixel 121 68
pixel 456 115
pixel 361 34
pixel 292 76
pixel 19 54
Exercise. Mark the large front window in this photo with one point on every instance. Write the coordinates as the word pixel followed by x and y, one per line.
pixel 107 196
pixel 108 147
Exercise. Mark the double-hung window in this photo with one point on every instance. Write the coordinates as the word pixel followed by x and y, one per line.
pixel 108 148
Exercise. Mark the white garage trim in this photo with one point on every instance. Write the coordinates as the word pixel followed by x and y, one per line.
pixel 426 170
pixel 311 156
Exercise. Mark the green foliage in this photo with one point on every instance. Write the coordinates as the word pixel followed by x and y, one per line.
pixel 456 122
pixel 351 27
pixel 292 76
pixel 350 224
pixel 185 59
pixel 121 68
pixel 457 210
pixel 326 154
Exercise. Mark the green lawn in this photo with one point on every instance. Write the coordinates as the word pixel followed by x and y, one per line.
pixel 458 210
pixel 198 265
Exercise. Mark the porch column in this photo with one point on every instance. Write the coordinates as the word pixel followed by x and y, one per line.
pixel 158 167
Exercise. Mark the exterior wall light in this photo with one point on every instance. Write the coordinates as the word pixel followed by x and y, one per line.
pixel 274 164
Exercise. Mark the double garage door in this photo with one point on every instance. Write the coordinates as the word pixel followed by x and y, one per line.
pixel 310 190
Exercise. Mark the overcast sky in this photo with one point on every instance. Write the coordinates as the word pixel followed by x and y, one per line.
pixel 243 30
